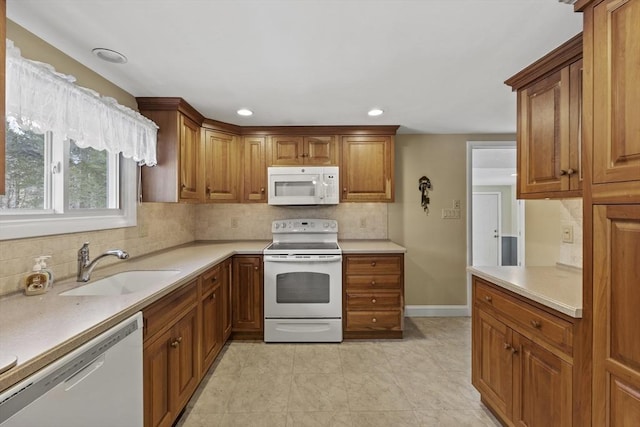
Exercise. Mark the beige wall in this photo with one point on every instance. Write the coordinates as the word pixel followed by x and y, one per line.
pixel 436 256
pixel 35 48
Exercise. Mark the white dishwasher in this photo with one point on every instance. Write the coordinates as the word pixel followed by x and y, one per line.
pixel 97 384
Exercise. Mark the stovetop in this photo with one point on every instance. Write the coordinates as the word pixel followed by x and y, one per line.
pixel 304 236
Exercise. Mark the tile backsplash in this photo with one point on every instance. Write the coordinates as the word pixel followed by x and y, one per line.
pixel 571 216
pixel 253 221
pixel 163 225
pixel 160 225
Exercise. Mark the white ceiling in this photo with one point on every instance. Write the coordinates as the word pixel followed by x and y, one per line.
pixel 433 66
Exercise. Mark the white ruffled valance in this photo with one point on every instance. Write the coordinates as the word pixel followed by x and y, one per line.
pixel 41 99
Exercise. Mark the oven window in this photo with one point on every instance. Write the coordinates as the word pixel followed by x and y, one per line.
pixel 295 188
pixel 302 288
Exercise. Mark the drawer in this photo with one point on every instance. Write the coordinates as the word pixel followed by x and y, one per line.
pixel 374 320
pixel 372 282
pixel 168 309
pixel 374 301
pixel 372 264
pixel 531 320
pixel 211 279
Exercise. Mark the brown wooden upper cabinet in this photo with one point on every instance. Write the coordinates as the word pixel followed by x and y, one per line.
pixel 616 99
pixel 177 176
pixel 366 173
pixel 290 150
pixel 255 169
pixel 549 124
pixel 222 153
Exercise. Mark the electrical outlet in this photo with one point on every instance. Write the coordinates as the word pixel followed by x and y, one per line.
pixel 567 234
pixel 234 222
pixel 456 204
pixel 363 223
pixel 450 213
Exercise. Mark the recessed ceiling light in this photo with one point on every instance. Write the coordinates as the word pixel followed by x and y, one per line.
pixel 109 55
pixel 375 112
pixel 244 112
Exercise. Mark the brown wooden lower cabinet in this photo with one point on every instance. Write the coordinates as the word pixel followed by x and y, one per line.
pixel 211 303
pixel 525 378
pixel 246 296
pixel 170 361
pixel 373 303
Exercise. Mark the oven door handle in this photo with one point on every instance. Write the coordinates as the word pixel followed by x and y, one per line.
pixel 328 258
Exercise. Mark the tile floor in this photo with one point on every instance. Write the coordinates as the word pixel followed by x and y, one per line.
pixel 422 380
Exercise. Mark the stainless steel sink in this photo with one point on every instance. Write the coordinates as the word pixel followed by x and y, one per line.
pixel 123 283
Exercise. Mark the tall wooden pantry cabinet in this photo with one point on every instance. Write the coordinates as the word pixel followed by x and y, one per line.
pixel 611 139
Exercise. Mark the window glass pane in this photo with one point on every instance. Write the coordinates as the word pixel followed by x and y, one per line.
pixel 25 158
pixel 88 182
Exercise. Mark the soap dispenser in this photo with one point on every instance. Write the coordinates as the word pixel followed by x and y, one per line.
pixel 42 261
pixel 36 282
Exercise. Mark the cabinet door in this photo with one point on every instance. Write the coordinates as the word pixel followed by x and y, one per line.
pixel 616 298
pixel 320 150
pixel 542 395
pixel 227 308
pixel 211 343
pixel 184 360
pixel 189 157
pixel 543 135
pixel 247 294
pixel 492 361
pixel 255 169
pixel 287 150
pixel 221 168
pixel 574 171
pixel 367 168
pixel 157 371
pixel 616 93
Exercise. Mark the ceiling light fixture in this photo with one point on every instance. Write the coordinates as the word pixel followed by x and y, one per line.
pixel 244 112
pixel 109 55
pixel 375 112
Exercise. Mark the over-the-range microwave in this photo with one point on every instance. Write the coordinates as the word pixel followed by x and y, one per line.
pixel 301 185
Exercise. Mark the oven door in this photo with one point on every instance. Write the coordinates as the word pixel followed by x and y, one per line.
pixel 303 286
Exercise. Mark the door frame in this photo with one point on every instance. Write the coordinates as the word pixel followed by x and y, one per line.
pixel 499 231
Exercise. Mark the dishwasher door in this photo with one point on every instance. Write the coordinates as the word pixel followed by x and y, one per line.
pixel 98 384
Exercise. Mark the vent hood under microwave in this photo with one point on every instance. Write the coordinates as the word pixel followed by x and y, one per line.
pixel 300 185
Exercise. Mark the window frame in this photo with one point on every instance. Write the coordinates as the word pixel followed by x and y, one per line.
pixel 51 221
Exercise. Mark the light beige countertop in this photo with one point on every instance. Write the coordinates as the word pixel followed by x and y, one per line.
pixel 559 288
pixel 39 329
pixel 370 246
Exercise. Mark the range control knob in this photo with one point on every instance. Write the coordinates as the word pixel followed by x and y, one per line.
pixel 333 225
pixel 325 225
pixel 277 225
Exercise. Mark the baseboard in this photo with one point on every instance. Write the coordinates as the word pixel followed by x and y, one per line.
pixel 437 311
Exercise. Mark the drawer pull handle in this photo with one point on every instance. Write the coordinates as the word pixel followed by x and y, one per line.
pixel 536 324
pixel 374 320
pixel 373 301
pixel 487 298
pixel 373 283
pixel 373 263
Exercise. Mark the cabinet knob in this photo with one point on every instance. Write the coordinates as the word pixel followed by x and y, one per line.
pixel 183 186
pixel 208 189
pixel 373 283
pixel 487 298
pixel 255 268
pixel 514 350
pixel 262 189
pixel 374 320
pixel 563 172
pixel 373 263
pixel 570 171
pixel 344 190
pixel 213 296
pixel 507 346
pixel 174 344
pixel 373 301
pixel 536 324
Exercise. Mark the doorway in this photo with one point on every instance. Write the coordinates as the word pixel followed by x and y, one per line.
pixel 486 228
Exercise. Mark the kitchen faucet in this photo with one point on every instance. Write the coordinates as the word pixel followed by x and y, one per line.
pixel 85 267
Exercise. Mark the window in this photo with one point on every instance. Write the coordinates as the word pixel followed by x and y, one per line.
pixel 57 187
